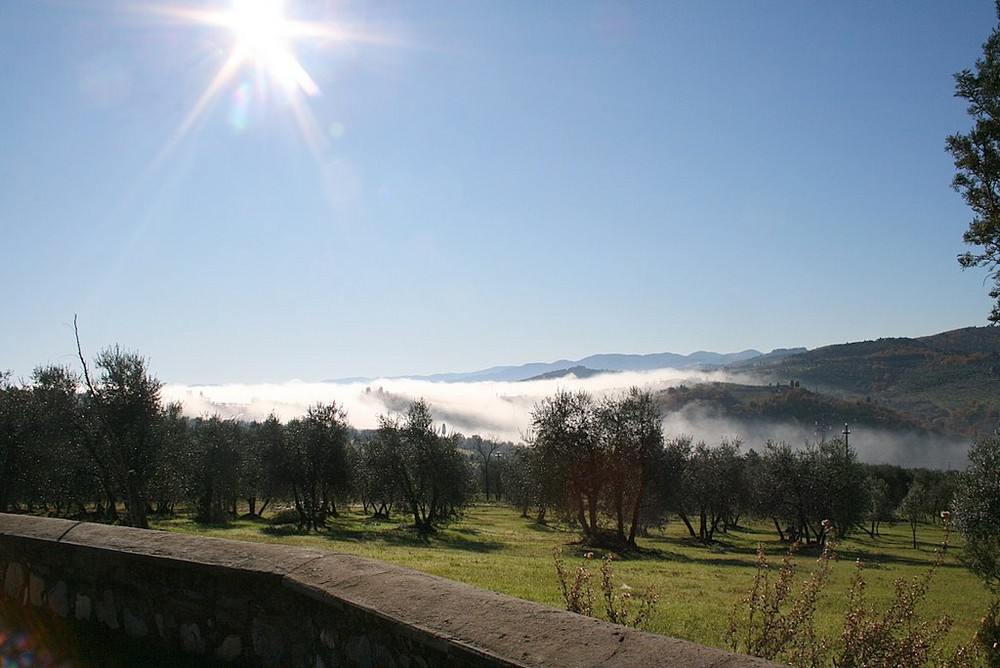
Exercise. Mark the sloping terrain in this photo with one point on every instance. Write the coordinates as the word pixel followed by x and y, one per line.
pixel 949 382
pixel 749 403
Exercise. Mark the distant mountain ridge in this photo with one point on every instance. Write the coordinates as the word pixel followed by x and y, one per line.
pixel 607 362
pixel 604 362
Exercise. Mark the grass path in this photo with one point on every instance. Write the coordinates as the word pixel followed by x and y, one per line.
pixel 494 548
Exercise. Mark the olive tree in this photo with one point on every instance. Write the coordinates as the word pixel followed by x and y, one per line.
pixel 599 458
pixel 433 478
pixel 316 462
pixel 977 509
pixel 125 412
pixel 14 453
pixel 571 450
pixel 632 427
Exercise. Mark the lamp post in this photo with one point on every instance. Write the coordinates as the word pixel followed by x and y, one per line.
pixel 846 433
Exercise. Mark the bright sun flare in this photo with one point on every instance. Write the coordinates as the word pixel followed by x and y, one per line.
pixel 265 37
pixel 261 40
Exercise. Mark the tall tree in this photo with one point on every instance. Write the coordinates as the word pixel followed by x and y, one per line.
pixel 126 410
pixel 316 462
pixel 63 474
pixel 216 446
pixel 977 162
pixel 914 508
pixel 572 451
pixel 485 449
pixel 432 476
pixel 711 483
pixel 14 429
pixel 632 428
pixel 977 507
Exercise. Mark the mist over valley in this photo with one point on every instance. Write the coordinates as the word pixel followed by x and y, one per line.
pixel 912 402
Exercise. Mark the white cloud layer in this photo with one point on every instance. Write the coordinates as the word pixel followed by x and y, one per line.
pixel 502 410
pixel 497 409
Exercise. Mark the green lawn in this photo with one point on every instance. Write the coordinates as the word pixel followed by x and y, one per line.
pixel 494 548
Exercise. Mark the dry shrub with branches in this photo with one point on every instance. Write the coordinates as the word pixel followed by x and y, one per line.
pixel 621 605
pixel 771 622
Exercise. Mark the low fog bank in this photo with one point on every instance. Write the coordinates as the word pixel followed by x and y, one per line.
pixel 874 445
pixel 502 410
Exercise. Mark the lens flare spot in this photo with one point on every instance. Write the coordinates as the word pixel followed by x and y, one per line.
pixel 240 109
pixel 337 130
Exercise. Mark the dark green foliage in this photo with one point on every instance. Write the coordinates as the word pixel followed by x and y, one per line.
pixel 14 452
pixel 760 403
pixel 977 509
pixel 214 455
pixel 433 478
pixel 518 478
pixel 598 459
pixel 878 507
pixel 977 162
pixel 712 487
pixel 631 426
pixel 269 445
pixel 800 489
pixel 124 413
pixel 65 475
pixel 373 480
pixel 171 482
pixel 315 463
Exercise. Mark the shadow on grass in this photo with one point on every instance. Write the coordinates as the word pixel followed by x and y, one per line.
pixel 879 560
pixel 400 535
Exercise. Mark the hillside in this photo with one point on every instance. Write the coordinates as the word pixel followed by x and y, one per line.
pixel 794 405
pixel 949 381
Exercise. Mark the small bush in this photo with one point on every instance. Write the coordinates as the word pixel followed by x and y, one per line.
pixel 621 605
pixel 577 592
pixel 771 623
pixel 768 622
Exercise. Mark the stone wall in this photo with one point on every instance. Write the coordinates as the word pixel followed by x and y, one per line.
pixel 274 605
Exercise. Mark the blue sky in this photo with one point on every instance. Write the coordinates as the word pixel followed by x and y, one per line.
pixel 478 182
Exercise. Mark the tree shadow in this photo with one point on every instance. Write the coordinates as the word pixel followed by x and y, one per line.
pixel 881 560
pixel 404 535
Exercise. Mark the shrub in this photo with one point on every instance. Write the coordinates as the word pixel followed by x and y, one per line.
pixel 621 606
pixel 771 623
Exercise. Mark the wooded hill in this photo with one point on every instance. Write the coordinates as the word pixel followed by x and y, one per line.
pixel 947 382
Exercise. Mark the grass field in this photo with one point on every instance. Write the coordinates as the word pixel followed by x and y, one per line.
pixel 494 548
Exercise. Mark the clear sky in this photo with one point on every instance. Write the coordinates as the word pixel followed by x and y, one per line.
pixel 402 187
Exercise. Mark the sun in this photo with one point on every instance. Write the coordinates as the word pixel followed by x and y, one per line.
pixel 266 38
pixel 260 42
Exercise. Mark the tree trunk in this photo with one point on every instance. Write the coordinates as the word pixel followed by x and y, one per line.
pixel 620 516
pixel 636 511
pixel 687 523
pixel 781 534
pixel 592 513
pixel 486 478
pixel 136 503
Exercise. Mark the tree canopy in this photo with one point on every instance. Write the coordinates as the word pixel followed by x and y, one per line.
pixel 977 162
